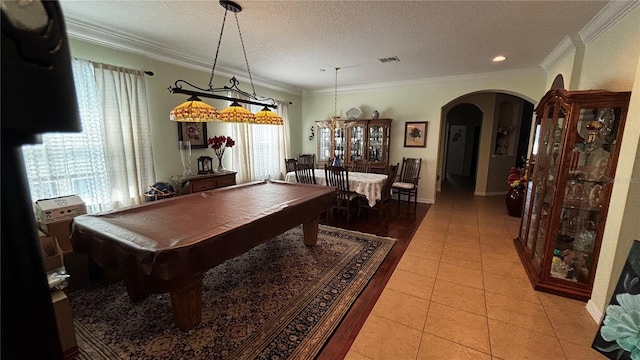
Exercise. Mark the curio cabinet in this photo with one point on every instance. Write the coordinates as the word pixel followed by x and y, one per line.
pixel 355 140
pixel 571 171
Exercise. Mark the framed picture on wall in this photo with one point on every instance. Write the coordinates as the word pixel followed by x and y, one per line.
pixel 196 132
pixel 415 134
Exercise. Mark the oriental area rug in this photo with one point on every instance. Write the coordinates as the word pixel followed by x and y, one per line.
pixel 281 300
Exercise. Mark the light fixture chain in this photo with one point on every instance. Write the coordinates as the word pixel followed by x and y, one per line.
pixel 245 55
pixel 335 95
pixel 215 60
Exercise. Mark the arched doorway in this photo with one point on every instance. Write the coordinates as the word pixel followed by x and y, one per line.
pixel 463 126
pixel 496 128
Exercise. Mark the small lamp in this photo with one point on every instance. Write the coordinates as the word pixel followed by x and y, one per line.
pixel 205 165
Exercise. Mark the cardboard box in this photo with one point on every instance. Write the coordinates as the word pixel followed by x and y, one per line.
pixel 76 265
pixel 64 321
pixel 59 208
pixel 51 253
pixel 61 230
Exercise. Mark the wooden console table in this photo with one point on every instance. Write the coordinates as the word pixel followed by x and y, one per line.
pixel 211 181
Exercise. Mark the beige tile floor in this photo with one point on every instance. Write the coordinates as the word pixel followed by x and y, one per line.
pixel 460 292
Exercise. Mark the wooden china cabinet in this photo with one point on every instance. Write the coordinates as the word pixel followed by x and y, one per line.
pixel 363 140
pixel 573 164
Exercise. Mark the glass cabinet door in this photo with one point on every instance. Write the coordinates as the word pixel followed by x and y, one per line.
pixel 526 209
pixel 544 182
pixel 339 143
pixel 356 142
pixel 324 144
pixel 594 142
pixel 376 143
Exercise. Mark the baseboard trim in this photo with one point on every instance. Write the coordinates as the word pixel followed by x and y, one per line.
pixel 594 312
pixel 493 193
pixel 426 201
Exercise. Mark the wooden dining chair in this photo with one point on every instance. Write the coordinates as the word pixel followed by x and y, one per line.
pixel 407 183
pixel 361 166
pixel 290 164
pixel 307 159
pixel 305 174
pixel 338 177
pixel 383 204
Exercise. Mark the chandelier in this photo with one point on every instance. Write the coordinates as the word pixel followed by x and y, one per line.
pixel 195 110
pixel 334 122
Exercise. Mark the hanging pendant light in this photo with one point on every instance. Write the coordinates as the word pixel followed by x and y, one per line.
pixel 194 110
pixel 268 117
pixel 334 122
pixel 235 112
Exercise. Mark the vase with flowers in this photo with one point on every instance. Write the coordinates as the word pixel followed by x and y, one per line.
pixel 219 144
pixel 517 181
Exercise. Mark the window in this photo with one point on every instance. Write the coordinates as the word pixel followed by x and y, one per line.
pixel 112 104
pixel 266 152
pixel 73 163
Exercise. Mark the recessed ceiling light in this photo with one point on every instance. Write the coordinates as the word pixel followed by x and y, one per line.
pixel 499 58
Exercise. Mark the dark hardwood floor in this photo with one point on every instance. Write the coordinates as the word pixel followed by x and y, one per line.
pixel 402 224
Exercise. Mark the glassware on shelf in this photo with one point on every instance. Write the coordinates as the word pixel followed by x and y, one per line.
pixel 596 196
pixel 586 237
pixel 607 118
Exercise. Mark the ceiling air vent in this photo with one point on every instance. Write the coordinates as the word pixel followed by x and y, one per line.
pixel 389 59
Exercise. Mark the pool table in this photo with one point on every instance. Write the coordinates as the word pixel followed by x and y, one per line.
pixel 168 245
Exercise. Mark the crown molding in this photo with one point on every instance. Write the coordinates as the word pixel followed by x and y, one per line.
pixel 128 43
pixel 609 15
pixel 420 82
pixel 564 48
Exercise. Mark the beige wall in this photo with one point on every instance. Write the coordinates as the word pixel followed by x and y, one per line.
pixel 610 60
pixel 612 63
pixel 164 133
pixel 422 102
pixel 563 67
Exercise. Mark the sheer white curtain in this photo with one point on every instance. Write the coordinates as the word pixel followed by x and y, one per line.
pixel 261 149
pixel 123 96
pixel 285 136
pixel 73 163
pixel 109 164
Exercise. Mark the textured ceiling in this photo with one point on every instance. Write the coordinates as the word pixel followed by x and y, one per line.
pixel 289 41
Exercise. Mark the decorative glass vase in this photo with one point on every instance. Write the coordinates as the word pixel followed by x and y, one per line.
pixel 185 157
pixel 514 199
pixel 220 166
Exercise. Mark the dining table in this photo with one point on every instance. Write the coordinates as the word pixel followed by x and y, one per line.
pixel 368 185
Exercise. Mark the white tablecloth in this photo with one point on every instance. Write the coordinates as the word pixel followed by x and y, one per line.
pixel 367 184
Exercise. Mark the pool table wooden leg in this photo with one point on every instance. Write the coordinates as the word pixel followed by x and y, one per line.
pixel 187 304
pixel 310 229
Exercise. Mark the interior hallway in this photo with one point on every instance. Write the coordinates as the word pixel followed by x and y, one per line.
pixel 461 292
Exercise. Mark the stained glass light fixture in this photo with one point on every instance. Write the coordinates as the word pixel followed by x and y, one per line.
pixel 195 110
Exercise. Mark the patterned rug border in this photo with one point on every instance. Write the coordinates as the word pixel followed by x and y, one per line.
pixel 347 298
pixel 260 343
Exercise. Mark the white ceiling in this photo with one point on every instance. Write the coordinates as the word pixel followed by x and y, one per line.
pixel 287 42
